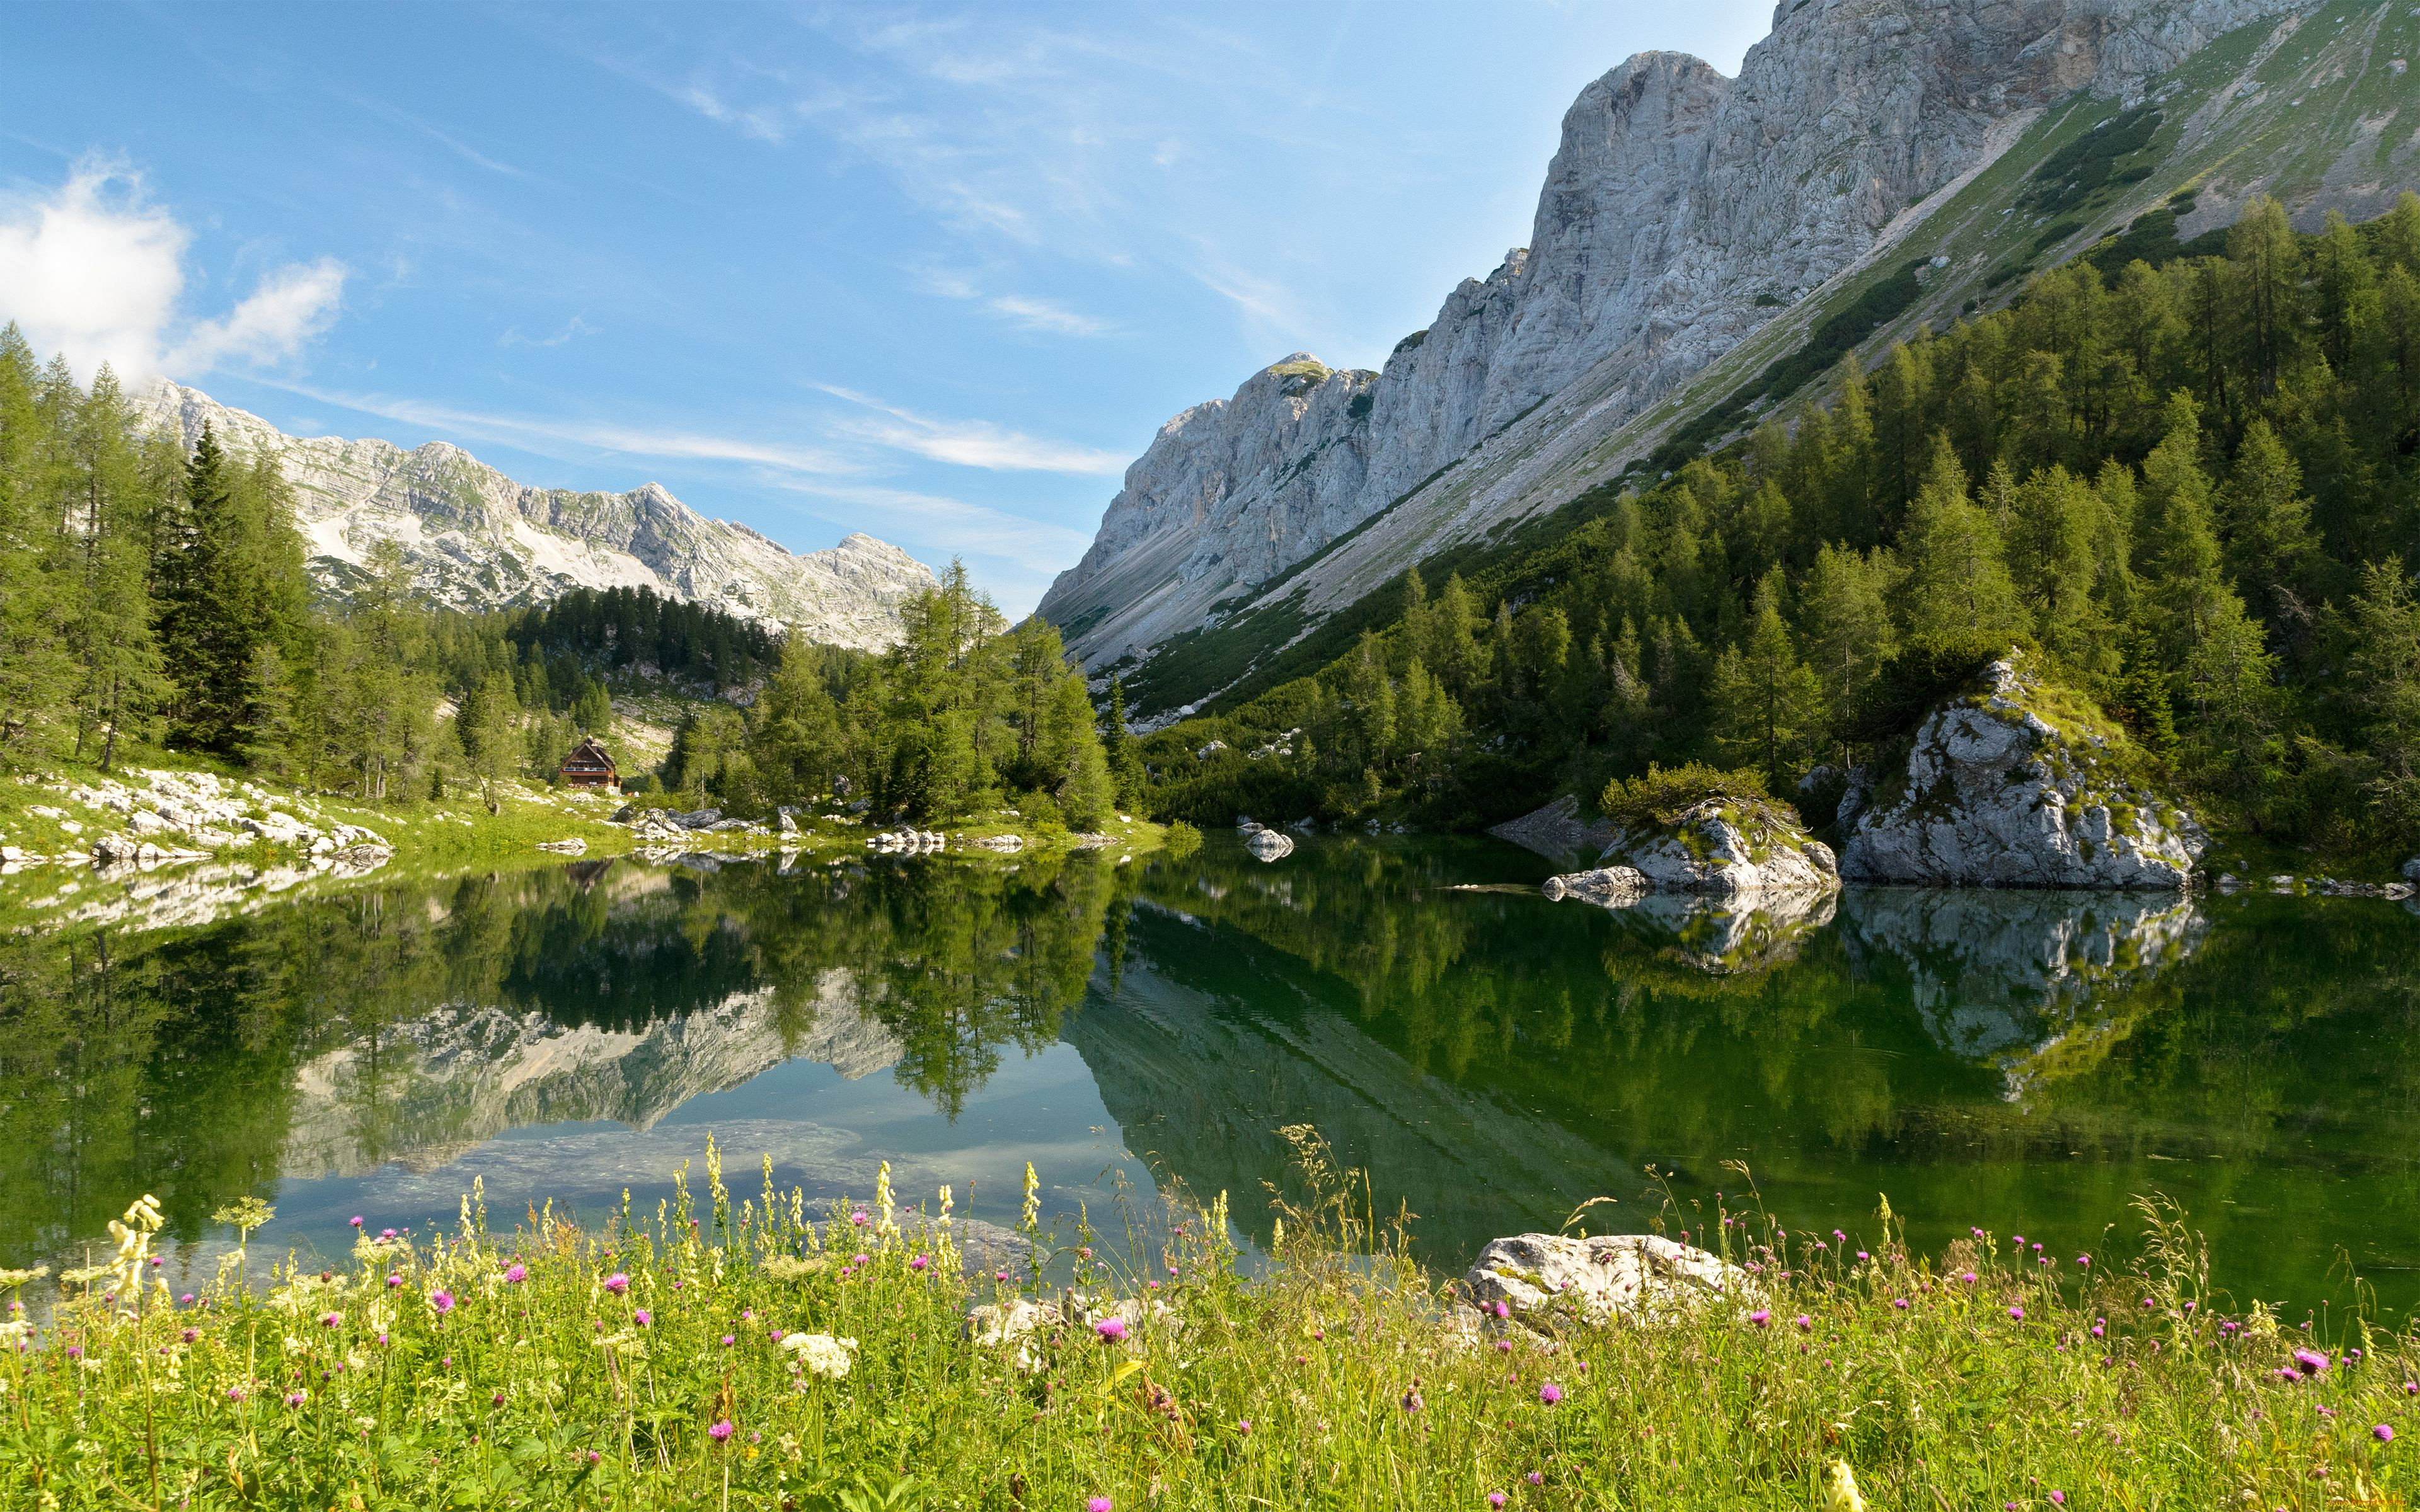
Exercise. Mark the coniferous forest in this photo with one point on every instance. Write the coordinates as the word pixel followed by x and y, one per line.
pixel 2191 487
pixel 155 600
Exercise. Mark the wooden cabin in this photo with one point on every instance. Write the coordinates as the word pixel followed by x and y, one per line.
pixel 590 766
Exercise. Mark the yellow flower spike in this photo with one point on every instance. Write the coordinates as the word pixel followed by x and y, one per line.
pixel 884 1225
pixel 1840 1489
pixel 1030 1219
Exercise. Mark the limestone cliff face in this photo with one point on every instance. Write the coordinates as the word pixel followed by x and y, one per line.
pixel 1677 200
pixel 476 539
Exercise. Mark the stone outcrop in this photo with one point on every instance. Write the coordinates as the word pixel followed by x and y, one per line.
pixel 1269 846
pixel 1722 846
pixel 1635 1277
pixel 1681 211
pixel 475 539
pixel 2016 784
pixel 1607 887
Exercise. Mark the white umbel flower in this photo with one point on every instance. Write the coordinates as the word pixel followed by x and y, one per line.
pixel 823 1354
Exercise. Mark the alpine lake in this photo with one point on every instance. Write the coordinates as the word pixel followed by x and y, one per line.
pixel 2023 1062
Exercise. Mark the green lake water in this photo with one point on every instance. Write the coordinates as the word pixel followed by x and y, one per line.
pixel 2022 1061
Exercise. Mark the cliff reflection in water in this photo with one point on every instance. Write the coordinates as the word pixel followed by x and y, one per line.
pixel 2028 1060
pixel 407 1025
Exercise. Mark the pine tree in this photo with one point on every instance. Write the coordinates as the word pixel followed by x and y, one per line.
pixel 1767 704
pixel 2385 674
pixel 1845 625
pixel 1958 574
pixel 117 665
pixel 2271 547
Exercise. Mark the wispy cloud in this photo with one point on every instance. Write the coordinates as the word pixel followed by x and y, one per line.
pixel 574 437
pixel 972 443
pixel 1027 311
pixel 574 327
pixel 1046 315
pixel 975 529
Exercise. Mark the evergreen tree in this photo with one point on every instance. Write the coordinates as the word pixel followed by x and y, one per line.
pixel 1767 704
pixel 1958 574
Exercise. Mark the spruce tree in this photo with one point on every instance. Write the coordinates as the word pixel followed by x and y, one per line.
pixel 1958 574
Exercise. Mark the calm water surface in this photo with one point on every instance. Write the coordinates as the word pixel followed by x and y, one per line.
pixel 2021 1061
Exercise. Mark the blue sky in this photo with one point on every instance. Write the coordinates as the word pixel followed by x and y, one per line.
pixel 935 274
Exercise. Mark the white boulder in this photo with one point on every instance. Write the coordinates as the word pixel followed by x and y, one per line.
pixel 2010 786
pixel 1603 1277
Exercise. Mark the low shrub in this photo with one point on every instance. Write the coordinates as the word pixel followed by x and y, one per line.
pixel 1658 798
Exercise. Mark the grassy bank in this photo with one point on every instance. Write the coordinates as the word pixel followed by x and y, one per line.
pixel 744 1355
pixel 54 814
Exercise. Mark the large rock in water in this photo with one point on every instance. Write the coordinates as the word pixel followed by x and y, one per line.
pixel 1721 845
pixel 2017 784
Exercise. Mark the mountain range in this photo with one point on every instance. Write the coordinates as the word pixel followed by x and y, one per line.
pixel 1704 249
pixel 475 539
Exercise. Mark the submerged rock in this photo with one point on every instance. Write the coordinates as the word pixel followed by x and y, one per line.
pixel 2015 784
pixel 1603 1277
pixel 1722 845
pixel 1270 845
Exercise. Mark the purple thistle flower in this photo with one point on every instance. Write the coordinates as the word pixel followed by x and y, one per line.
pixel 2085 1260
pixel 860 1218
pixel 720 1431
pixel 1112 1330
pixel 185 1301
pixel 1550 1393
pixel 1496 1499
pixel 1098 1504
pixel 516 1274
pixel 2382 1433
pixel 728 1340
pixel 386 1234
pixel 393 1281
pixel 1502 1310
pixel 641 1317
pixel 235 1393
pixel 1537 1477
pixel 1412 1400
pixel 2017 1313
pixel 1804 1322
pixel 2310 1362
pixel 190 1334
pixel 296 1398
pixel 1967 1277
pixel 617 1283
pixel 357 1221
pixel 1760 1318
pixel 918 1263
pixel 1899 1303
pixel 442 1302
pixel 859 1259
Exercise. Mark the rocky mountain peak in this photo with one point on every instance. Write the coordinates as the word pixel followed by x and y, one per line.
pixel 476 539
pixel 1680 212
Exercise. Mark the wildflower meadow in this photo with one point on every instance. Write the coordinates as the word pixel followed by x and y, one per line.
pixel 743 1352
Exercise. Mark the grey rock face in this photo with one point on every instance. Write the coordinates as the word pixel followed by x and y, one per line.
pixel 1999 794
pixel 475 539
pixel 1607 887
pixel 1601 1278
pixel 1675 200
pixel 1998 976
pixel 1713 848
pixel 1270 845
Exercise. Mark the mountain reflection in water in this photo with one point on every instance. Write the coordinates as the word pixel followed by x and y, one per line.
pixel 2026 1061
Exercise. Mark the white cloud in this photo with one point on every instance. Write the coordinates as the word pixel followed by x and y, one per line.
pixel 92 275
pixel 293 305
pixel 95 272
pixel 972 443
